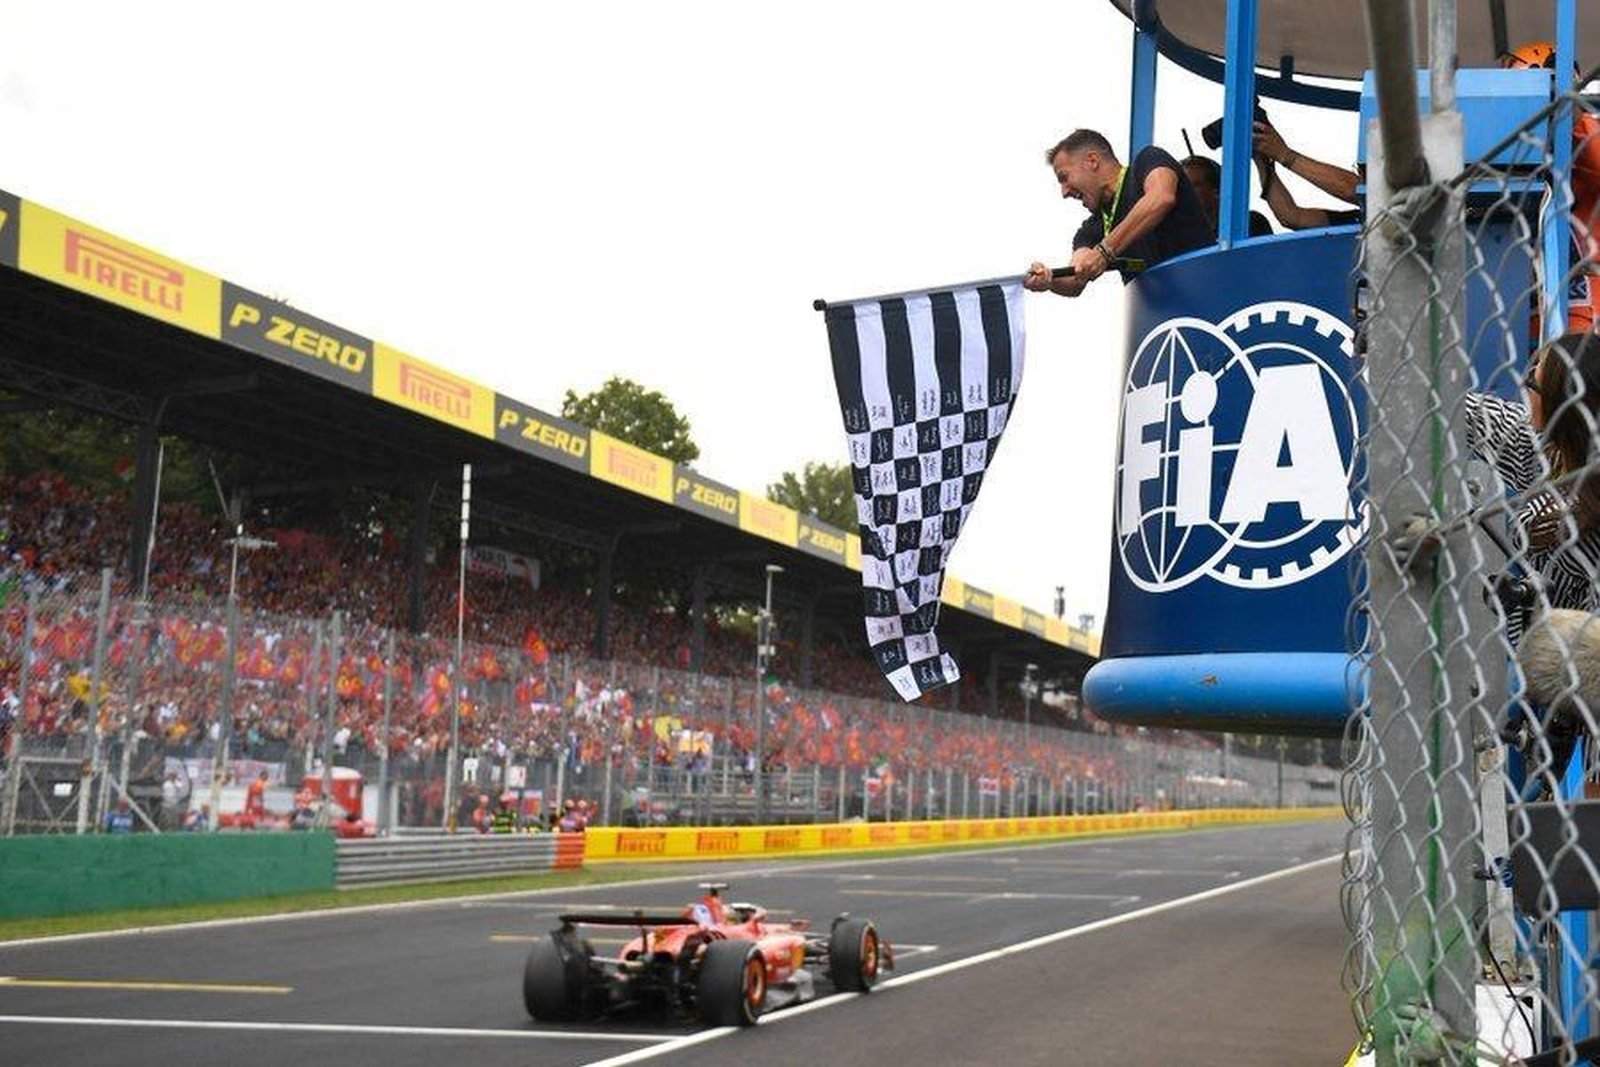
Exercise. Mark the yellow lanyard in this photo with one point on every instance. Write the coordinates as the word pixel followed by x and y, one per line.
pixel 1116 201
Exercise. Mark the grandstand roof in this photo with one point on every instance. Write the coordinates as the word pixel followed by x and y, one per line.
pixel 104 324
pixel 1330 40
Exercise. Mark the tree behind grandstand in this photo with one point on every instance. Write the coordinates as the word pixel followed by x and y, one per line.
pixel 629 412
pixel 820 489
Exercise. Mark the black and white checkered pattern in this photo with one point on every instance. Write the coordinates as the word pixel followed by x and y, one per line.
pixel 926 382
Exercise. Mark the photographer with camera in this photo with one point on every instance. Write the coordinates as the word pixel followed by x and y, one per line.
pixel 1272 152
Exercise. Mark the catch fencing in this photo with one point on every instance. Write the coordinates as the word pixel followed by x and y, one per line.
pixel 102 696
pixel 1471 879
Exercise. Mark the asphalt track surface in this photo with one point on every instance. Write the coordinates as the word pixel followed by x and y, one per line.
pixel 1210 947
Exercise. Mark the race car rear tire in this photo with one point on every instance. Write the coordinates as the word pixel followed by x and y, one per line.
pixel 853 956
pixel 555 980
pixel 732 988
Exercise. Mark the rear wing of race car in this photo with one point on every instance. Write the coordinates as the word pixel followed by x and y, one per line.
pixel 618 918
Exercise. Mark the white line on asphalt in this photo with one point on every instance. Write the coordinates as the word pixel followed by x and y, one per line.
pixel 1158 872
pixel 682 1043
pixel 1101 924
pixel 667 1047
pixel 917 878
pixel 330 1028
pixel 978 894
pixel 1095 844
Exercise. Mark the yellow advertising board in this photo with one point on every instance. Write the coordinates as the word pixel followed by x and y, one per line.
pixel 852 551
pixel 92 261
pixel 762 517
pixel 1008 612
pixel 417 385
pixel 610 844
pixel 623 465
pixel 954 592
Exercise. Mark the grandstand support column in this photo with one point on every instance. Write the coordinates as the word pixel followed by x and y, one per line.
pixel 146 492
pixel 994 685
pixel 602 599
pixel 416 570
pixel 697 634
pixel 808 624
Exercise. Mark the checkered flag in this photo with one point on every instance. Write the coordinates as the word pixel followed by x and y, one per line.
pixel 926 381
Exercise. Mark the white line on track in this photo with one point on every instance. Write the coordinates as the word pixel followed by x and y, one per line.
pixel 981 895
pixel 672 1046
pixel 621 1037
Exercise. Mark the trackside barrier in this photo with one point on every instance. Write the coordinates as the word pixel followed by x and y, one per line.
pixel 379 861
pixel 611 845
pixel 66 874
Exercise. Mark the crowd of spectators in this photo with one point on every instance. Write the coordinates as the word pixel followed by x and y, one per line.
pixel 526 686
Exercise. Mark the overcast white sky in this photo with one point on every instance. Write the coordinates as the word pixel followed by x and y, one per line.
pixel 540 196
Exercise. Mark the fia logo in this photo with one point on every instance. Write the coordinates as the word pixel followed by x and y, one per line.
pixel 1237 450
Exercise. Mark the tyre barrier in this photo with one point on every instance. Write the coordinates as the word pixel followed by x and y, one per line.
pixel 392 860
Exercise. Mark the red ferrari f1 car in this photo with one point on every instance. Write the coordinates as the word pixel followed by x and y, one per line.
pixel 721 961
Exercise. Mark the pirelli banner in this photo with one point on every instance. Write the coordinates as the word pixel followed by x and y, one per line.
pixel 87 259
pixel 616 845
pixel 73 254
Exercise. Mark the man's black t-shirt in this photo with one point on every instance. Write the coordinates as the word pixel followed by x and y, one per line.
pixel 1185 228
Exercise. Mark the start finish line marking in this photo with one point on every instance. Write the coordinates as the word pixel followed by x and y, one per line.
pixel 333 1028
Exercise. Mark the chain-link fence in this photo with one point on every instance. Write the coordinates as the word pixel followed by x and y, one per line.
pixel 178 712
pixel 1471 875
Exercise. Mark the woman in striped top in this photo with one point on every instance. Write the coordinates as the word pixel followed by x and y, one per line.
pixel 1551 437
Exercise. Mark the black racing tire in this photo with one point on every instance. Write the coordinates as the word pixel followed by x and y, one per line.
pixel 732 988
pixel 555 981
pixel 854 953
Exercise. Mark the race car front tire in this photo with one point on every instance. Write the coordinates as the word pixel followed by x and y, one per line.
pixel 554 982
pixel 853 956
pixel 732 988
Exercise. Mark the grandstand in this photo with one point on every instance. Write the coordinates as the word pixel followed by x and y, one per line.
pixel 347 454
pixel 105 326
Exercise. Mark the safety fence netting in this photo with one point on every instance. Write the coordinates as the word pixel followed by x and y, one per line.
pixel 1472 874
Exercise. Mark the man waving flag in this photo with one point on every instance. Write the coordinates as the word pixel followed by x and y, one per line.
pixel 926 382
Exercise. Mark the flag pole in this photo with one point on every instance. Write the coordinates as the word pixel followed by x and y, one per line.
pixel 1010 279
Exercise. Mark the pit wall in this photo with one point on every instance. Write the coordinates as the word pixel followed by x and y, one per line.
pixel 66 874
pixel 613 845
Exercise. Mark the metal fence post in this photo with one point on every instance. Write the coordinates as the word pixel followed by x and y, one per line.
pixel 19 725
pixel 331 721
pixel 91 767
pixel 385 815
pixel 311 691
pixel 1423 688
pixel 224 721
